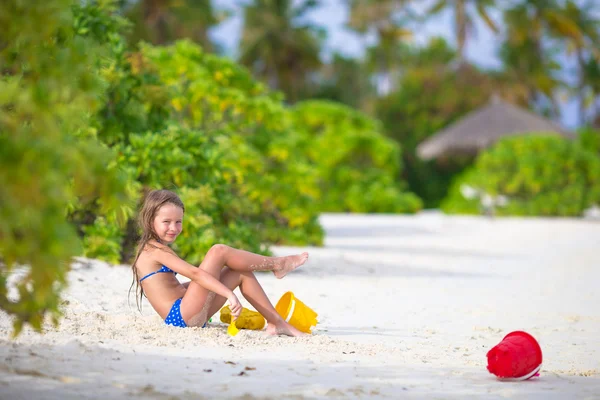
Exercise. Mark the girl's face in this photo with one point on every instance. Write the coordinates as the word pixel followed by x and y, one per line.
pixel 167 223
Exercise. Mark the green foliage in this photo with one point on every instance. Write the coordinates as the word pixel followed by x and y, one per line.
pixel 87 128
pixel 356 165
pixel 333 81
pixel 589 139
pixel 103 238
pixel 163 22
pixel 216 210
pixel 199 124
pixel 540 175
pixel 280 45
pixel 50 160
pixel 247 126
pixel 255 172
pixel 431 97
pixel 464 18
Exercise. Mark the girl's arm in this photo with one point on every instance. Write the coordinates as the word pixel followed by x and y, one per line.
pixel 198 275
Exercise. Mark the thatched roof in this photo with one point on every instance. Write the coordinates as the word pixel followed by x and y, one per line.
pixel 483 127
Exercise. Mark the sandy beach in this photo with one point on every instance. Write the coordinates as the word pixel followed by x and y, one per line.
pixel 408 308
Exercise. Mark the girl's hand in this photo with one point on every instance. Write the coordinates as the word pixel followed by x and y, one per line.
pixel 234 305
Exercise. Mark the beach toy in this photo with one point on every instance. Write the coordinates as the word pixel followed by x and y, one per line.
pixel 232 330
pixel 248 319
pixel 296 313
pixel 516 358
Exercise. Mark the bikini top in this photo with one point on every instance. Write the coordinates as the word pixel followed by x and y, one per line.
pixel 163 269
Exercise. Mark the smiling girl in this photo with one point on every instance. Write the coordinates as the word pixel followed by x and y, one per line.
pixel 211 283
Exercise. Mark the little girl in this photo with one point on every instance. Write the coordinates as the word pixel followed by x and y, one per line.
pixel 212 283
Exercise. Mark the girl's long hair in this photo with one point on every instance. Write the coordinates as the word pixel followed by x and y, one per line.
pixel 152 203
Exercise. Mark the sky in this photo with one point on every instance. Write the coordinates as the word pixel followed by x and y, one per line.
pixel 481 48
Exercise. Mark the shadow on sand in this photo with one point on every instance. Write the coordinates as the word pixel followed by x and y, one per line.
pixel 34 372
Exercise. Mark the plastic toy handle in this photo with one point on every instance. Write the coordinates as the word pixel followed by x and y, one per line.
pixel 232 330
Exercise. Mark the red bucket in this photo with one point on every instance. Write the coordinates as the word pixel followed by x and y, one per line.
pixel 517 357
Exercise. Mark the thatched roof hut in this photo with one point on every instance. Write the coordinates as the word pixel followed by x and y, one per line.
pixel 483 127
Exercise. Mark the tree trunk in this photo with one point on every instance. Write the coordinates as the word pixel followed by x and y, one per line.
pixel 581 87
pixel 155 18
pixel 460 21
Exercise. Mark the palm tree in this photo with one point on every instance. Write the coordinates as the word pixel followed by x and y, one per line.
pixel 529 53
pixel 163 21
pixel 279 46
pixel 464 19
pixel 388 20
pixel 585 43
pixel 345 80
pixel 592 72
pixel 526 61
pixel 378 15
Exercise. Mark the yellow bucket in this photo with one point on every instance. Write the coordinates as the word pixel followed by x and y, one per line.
pixel 248 319
pixel 296 313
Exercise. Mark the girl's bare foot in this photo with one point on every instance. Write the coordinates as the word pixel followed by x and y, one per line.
pixel 289 264
pixel 283 328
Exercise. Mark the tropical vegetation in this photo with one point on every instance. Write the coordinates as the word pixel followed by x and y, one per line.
pixel 102 101
pixel 90 124
pixel 532 175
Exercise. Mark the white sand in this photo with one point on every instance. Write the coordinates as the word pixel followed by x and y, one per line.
pixel 408 308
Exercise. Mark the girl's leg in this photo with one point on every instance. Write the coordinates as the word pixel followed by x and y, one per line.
pixel 254 293
pixel 197 300
pixel 220 255
pixel 198 304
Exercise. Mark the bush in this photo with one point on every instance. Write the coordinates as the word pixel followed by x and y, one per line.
pixel 200 125
pixel 50 159
pixel 356 164
pixel 539 175
pixel 589 139
pixel 430 97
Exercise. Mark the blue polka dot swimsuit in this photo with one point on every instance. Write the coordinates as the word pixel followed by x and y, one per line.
pixel 174 318
pixel 164 268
